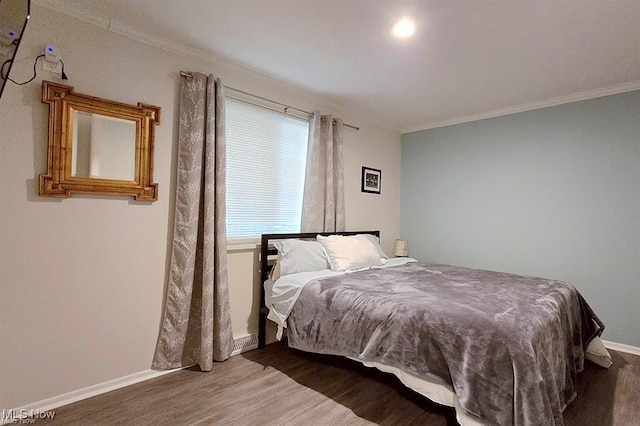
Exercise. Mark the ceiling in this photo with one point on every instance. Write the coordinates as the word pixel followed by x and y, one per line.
pixel 468 59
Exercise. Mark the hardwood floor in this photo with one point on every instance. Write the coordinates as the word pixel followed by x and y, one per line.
pixel 282 386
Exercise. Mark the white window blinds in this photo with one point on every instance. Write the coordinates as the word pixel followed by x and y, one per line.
pixel 266 157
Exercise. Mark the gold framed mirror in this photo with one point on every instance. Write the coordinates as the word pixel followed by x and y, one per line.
pixel 98 146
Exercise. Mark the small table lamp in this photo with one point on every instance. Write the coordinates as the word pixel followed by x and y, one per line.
pixel 401 248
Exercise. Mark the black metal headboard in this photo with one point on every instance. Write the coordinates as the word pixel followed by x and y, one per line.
pixel 266 250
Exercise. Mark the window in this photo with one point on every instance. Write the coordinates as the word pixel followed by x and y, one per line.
pixel 266 161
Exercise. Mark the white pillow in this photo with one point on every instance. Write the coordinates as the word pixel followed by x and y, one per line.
pixel 274 273
pixel 300 256
pixel 348 253
pixel 376 242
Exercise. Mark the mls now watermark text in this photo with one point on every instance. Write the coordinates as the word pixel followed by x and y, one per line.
pixel 24 416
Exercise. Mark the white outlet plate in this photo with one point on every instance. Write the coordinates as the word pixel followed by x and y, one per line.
pixel 54 67
pixel 51 62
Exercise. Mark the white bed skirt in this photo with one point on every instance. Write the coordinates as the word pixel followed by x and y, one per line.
pixel 444 395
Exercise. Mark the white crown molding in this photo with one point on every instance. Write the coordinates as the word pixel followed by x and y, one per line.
pixel 575 97
pixel 82 14
pixel 223 65
pixel 217 63
pixel 205 58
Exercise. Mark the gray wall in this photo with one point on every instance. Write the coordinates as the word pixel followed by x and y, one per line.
pixel 553 192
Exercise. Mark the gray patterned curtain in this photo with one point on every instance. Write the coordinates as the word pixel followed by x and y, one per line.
pixel 196 327
pixel 323 199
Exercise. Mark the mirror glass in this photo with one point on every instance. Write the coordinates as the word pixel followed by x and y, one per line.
pixel 103 147
pixel 14 15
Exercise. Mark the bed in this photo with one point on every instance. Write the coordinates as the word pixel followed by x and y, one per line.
pixel 500 348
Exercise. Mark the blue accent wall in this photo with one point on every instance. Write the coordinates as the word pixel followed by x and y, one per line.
pixel 553 192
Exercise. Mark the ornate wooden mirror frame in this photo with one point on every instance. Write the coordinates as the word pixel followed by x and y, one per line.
pixel 75 121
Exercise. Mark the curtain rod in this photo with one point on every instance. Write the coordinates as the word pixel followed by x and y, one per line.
pixel 279 111
pixel 286 107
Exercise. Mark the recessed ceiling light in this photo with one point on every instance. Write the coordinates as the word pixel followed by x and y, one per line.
pixel 404 28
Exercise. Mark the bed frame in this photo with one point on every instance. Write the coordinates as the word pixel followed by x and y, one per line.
pixel 266 250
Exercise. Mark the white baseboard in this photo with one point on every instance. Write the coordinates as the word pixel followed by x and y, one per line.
pixel 35 409
pixel 620 347
pixel 47 405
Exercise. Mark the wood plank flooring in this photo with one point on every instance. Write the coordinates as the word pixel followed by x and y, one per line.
pixel 282 386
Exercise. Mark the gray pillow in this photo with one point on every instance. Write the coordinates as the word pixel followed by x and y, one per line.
pixel 300 256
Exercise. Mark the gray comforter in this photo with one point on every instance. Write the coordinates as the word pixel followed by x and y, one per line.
pixel 508 345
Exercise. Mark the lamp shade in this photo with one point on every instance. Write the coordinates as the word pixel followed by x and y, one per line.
pixel 401 248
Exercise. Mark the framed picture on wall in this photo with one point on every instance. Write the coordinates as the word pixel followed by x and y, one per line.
pixel 371 180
